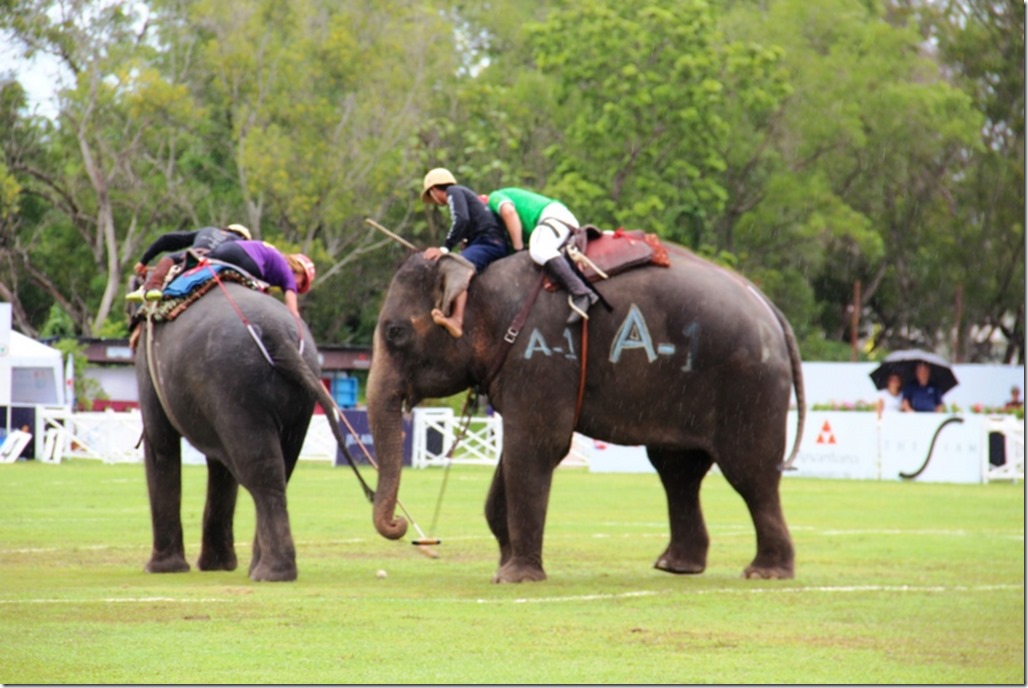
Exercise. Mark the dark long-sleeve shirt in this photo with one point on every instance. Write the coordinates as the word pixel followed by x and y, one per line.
pixel 470 218
pixel 205 238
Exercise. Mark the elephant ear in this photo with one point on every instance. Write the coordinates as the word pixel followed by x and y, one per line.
pixel 455 275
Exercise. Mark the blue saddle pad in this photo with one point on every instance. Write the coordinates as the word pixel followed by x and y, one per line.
pixel 190 280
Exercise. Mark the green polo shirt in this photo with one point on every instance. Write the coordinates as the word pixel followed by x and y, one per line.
pixel 527 204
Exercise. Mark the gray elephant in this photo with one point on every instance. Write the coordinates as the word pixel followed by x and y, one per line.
pixel 245 404
pixel 692 361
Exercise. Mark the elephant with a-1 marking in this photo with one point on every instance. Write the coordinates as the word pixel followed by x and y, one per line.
pixel 693 362
pixel 243 400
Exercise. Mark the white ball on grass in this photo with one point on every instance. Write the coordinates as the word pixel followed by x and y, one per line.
pixel 381 573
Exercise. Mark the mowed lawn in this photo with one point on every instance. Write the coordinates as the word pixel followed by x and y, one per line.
pixel 895 583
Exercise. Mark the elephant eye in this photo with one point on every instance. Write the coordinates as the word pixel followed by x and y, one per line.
pixel 397 334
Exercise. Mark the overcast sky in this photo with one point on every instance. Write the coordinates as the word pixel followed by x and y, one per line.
pixel 39 76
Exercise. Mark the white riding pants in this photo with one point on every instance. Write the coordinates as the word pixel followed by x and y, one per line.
pixel 547 238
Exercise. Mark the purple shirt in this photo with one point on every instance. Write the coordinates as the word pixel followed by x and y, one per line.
pixel 272 265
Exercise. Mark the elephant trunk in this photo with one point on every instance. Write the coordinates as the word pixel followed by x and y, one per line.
pixel 385 407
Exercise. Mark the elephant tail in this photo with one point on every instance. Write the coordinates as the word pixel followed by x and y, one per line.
pixel 290 362
pixel 796 363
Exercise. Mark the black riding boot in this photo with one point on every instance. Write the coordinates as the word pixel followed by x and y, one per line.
pixel 580 296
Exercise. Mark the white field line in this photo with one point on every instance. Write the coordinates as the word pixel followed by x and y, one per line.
pixel 118 600
pixel 936 589
pixel 715 531
pixel 757 591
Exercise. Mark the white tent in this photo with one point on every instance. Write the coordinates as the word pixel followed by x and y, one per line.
pixel 31 375
pixel 36 373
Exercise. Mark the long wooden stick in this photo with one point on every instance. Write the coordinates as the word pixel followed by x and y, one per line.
pixel 391 235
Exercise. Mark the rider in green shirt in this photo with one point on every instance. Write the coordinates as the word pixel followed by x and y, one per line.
pixel 546 223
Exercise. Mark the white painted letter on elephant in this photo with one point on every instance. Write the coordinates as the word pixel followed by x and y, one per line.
pixel 633 334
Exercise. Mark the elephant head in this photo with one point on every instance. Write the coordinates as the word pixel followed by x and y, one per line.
pixel 414 359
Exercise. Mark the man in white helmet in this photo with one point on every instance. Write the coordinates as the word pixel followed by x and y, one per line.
pixel 473 227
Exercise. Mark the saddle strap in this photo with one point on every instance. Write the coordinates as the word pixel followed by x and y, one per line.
pixel 512 334
pixel 581 372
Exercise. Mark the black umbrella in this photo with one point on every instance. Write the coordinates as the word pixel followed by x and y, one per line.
pixel 904 363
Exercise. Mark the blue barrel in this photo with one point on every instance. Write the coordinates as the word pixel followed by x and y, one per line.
pixel 344 392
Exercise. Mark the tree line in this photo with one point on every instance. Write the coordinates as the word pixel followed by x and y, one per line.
pixel 838 153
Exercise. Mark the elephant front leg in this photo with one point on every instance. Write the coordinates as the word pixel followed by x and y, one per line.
pixel 525 492
pixel 218 552
pixel 682 473
pixel 164 485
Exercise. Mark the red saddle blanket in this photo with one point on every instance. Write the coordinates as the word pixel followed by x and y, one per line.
pixel 616 252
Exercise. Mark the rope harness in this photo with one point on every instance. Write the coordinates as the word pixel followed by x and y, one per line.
pixel 469 402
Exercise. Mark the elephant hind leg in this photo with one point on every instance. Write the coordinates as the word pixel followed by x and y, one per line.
pixel 218 552
pixel 496 515
pixel 274 553
pixel 164 485
pixel 759 489
pixel 682 473
pixel 166 564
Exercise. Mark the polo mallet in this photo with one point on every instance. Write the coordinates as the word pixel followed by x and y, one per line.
pixel 466 413
pixel 423 540
pixel 392 235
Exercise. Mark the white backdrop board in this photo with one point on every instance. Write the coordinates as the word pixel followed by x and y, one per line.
pixel 856 445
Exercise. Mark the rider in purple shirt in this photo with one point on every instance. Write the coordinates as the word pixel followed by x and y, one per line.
pixel 291 273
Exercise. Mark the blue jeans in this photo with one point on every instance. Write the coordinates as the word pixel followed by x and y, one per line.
pixel 483 252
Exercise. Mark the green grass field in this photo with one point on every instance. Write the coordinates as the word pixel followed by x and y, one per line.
pixel 895 583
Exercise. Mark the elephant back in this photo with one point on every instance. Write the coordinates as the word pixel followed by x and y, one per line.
pixel 229 345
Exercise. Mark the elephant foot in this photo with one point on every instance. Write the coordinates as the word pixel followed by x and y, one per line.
pixel 674 565
pixel 768 572
pixel 513 573
pixel 167 565
pixel 273 574
pixel 225 561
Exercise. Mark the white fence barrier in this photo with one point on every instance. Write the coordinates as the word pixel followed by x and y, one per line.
pixel 835 444
pixel 435 430
pixel 859 446
pixel 112 437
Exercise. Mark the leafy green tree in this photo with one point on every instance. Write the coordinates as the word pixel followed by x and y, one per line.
pixel 640 92
pixel 870 141
pixel 102 173
pixel 982 46
pixel 312 106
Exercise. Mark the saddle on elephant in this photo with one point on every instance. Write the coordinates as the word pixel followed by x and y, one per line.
pixel 601 254
pixel 187 286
